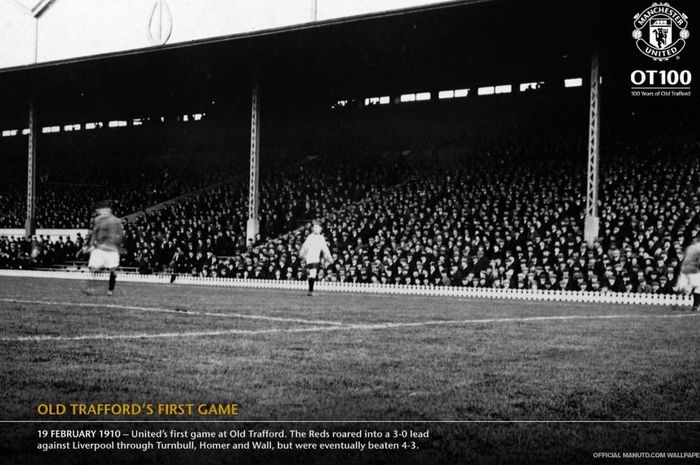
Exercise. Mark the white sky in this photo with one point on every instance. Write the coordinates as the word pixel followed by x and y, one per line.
pixel 77 28
pixel 28 4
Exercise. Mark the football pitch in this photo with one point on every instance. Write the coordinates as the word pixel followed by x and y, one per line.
pixel 283 356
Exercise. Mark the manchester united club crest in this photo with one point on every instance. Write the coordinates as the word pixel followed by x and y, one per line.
pixel 660 31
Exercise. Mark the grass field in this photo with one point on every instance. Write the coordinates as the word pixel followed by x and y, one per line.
pixel 284 356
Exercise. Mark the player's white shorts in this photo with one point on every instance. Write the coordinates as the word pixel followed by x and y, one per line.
pixel 689 282
pixel 103 259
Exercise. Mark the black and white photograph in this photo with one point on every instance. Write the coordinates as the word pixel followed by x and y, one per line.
pixel 349 232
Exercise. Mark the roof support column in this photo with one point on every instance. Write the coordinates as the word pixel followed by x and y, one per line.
pixel 253 225
pixel 30 222
pixel 592 221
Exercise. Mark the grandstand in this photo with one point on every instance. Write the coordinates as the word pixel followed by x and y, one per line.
pixel 450 150
pixel 366 191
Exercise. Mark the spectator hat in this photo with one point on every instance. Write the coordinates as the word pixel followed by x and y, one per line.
pixel 103 204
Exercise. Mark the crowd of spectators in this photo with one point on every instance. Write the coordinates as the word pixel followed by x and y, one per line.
pixel 133 187
pixel 511 217
pixel 39 252
pixel 12 205
pixel 508 222
pixel 193 235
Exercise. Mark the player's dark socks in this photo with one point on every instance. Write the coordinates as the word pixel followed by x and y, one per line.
pixel 696 300
pixel 311 284
pixel 112 280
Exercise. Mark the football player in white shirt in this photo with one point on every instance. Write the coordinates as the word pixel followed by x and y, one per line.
pixel 689 278
pixel 313 251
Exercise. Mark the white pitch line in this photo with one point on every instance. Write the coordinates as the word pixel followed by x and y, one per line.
pixel 310 329
pixel 226 332
pixel 517 320
pixel 177 312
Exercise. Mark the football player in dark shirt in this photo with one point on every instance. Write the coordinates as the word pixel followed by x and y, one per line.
pixel 104 246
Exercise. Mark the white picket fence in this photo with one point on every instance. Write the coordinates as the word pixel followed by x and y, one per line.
pixel 398 289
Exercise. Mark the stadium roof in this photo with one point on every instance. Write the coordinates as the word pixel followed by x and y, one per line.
pixel 428 48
